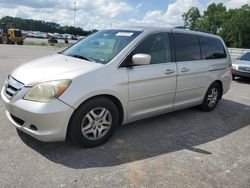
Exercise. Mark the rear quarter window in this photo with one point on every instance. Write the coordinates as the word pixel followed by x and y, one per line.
pixel 187 47
pixel 212 48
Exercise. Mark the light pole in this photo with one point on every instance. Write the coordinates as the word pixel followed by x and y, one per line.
pixel 74 13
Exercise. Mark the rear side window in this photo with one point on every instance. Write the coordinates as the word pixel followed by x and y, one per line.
pixel 212 48
pixel 187 47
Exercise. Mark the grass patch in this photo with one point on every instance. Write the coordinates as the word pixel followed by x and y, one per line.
pixel 58 45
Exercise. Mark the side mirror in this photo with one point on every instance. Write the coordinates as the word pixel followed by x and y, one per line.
pixel 141 59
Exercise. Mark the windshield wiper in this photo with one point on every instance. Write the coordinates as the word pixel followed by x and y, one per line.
pixel 80 57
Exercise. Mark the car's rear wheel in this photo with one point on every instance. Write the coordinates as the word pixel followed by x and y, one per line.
pixel 94 122
pixel 212 97
pixel 233 76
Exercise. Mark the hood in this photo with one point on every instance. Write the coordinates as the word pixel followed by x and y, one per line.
pixel 242 62
pixel 52 67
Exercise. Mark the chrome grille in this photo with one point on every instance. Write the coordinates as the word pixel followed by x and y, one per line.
pixel 12 86
pixel 247 69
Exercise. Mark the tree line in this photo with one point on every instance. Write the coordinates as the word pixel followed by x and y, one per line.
pixel 232 25
pixel 42 26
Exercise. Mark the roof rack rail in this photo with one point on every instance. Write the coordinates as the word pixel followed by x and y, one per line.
pixel 188 28
pixel 182 27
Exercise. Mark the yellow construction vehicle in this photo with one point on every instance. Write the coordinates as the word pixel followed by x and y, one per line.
pixel 11 36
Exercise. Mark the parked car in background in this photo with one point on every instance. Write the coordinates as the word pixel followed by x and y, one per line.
pixel 241 68
pixel 41 35
pixel 115 77
pixel 81 37
pixel 73 37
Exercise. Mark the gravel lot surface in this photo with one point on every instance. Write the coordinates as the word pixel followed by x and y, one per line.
pixel 187 148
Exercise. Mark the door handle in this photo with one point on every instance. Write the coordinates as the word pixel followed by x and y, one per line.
pixel 169 71
pixel 184 69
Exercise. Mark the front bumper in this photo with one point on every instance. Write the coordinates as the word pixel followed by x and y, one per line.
pixel 241 73
pixel 46 122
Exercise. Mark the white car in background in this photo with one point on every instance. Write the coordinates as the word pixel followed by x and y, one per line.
pixel 241 68
pixel 115 77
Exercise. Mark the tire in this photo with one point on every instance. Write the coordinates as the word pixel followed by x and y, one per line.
pixel 10 42
pixel 4 40
pixel 233 77
pixel 94 122
pixel 20 43
pixel 212 97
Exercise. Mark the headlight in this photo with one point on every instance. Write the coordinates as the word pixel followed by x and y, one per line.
pixel 47 91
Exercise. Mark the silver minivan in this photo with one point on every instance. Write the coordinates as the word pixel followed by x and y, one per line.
pixel 114 77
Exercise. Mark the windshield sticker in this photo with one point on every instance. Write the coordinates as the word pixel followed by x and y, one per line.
pixel 124 34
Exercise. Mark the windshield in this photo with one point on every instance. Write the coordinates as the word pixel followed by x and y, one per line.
pixel 18 33
pixel 102 46
pixel 246 57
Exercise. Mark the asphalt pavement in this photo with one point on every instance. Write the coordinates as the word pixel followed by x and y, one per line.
pixel 187 148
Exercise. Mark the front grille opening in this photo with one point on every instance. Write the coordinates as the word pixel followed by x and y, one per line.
pixel 12 88
pixel 244 69
pixel 17 120
pixel 9 93
pixel 33 127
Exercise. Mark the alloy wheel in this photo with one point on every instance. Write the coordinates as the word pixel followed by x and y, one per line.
pixel 212 97
pixel 96 123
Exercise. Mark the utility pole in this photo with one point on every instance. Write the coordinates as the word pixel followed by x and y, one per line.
pixel 74 13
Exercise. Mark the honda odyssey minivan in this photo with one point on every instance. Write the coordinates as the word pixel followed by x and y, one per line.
pixel 114 77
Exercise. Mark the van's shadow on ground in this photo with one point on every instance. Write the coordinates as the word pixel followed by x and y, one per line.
pixel 175 131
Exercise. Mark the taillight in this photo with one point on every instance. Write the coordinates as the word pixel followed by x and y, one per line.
pixel 233 68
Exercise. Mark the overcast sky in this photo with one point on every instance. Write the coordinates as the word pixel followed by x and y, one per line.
pixel 100 14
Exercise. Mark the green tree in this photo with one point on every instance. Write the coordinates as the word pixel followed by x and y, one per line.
pixel 213 18
pixel 232 25
pixel 39 25
pixel 236 28
pixel 191 17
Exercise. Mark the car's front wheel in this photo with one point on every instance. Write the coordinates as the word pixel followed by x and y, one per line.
pixel 94 122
